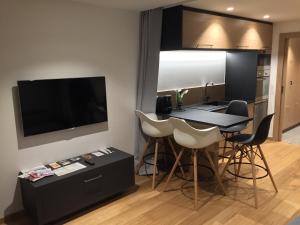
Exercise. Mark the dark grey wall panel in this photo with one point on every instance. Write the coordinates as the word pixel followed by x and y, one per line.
pixel 172 29
pixel 240 77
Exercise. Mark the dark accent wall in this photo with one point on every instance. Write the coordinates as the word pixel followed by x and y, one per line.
pixel 172 29
pixel 240 77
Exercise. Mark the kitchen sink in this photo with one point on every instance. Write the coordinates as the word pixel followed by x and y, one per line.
pixel 217 103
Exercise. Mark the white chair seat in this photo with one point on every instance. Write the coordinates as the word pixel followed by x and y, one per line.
pixel 153 127
pixel 189 137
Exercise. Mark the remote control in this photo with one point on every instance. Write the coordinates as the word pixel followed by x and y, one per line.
pixel 90 162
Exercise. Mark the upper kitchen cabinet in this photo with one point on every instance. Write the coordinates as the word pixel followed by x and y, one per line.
pixel 204 31
pixel 189 28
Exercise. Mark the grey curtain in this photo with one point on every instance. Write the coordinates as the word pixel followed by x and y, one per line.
pixel 150 36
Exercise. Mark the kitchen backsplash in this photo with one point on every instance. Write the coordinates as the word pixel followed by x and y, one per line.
pixel 184 69
pixel 197 94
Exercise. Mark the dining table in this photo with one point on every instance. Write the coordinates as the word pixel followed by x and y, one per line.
pixel 208 118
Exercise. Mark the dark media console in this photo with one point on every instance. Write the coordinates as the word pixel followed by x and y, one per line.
pixel 53 198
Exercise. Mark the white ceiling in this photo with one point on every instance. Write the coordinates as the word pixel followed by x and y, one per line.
pixel 279 10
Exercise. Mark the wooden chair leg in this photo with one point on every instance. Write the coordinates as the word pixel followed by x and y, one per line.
pixel 175 154
pixel 252 159
pixel 228 162
pixel 155 164
pixel 234 163
pixel 225 146
pixel 217 175
pixel 173 169
pixel 267 167
pixel 146 145
pixel 196 178
pixel 240 161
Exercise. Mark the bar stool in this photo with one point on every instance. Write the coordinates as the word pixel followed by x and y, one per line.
pixel 249 146
pixel 194 140
pixel 238 108
pixel 155 130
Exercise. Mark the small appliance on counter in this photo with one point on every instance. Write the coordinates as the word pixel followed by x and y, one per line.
pixel 164 104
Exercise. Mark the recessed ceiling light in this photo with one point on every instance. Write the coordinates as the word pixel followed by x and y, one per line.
pixel 230 8
pixel 266 16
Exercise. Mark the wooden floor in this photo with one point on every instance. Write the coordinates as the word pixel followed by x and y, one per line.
pixel 176 207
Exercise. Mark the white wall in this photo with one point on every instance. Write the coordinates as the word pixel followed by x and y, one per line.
pixel 284 27
pixel 58 39
pixel 185 69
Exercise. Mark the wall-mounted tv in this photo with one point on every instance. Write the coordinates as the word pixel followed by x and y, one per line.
pixel 57 104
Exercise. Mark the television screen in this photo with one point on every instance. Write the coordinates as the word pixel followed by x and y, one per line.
pixel 51 105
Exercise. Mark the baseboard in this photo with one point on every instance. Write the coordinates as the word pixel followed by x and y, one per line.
pixel 271 139
pixel 12 216
pixel 291 127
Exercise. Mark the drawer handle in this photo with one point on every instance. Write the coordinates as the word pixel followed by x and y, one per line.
pixel 93 179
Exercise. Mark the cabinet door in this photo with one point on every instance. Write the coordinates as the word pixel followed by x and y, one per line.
pixel 200 30
pixel 204 31
pixel 238 33
pixel 59 199
pixel 240 79
pixel 250 35
pixel 265 35
pixel 258 35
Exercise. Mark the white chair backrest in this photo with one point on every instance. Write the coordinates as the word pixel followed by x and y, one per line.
pixel 189 137
pixel 153 127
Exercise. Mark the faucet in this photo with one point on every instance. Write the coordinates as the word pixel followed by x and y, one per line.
pixel 206 97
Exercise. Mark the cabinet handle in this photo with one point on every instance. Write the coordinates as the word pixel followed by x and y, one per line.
pixel 92 179
pixel 242 46
pixel 204 45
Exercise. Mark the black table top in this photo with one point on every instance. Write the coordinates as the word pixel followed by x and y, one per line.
pixel 210 118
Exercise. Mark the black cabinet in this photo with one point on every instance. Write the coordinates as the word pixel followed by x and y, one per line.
pixel 240 78
pixel 52 198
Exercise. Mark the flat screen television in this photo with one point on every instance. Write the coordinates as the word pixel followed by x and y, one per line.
pixel 57 104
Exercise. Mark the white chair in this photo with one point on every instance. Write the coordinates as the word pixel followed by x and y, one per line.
pixel 155 130
pixel 195 140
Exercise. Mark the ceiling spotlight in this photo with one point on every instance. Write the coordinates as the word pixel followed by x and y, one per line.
pixel 230 9
pixel 266 16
